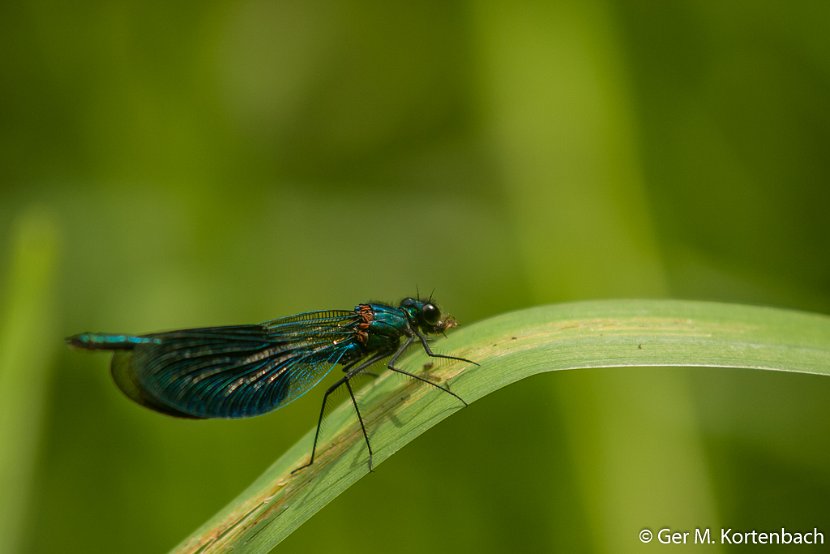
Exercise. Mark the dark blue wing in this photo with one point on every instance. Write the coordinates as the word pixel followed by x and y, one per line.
pixel 236 371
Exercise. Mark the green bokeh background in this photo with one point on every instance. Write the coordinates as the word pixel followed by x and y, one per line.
pixel 206 163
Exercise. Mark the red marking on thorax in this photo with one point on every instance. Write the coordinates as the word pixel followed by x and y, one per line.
pixel 367 315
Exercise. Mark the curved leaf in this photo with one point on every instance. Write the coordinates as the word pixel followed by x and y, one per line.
pixel 612 333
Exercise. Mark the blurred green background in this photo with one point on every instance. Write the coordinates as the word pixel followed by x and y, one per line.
pixel 206 163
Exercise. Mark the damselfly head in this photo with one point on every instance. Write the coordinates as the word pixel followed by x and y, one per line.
pixel 427 315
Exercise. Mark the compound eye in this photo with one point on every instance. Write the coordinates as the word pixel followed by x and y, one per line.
pixel 431 314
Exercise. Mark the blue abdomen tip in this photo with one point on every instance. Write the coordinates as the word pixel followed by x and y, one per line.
pixel 106 341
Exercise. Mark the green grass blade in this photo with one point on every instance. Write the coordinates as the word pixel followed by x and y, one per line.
pixel 510 347
pixel 25 355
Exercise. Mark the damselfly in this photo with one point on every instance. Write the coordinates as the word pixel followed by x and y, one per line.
pixel 248 370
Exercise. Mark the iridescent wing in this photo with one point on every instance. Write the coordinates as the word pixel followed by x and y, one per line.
pixel 236 371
